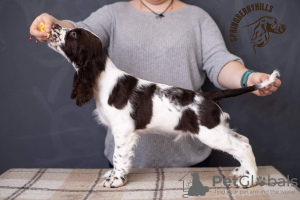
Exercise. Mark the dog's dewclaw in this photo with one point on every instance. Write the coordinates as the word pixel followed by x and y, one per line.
pixel 42 28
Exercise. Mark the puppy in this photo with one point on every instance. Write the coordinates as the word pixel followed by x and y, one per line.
pixel 130 106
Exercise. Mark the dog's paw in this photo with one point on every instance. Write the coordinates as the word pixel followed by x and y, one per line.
pixel 247 180
pixel 261 181
pixel 114 180
pixel 238 171
pixel 108 174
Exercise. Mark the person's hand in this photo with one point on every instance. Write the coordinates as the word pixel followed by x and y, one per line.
pixel 48 20
pixel 257 78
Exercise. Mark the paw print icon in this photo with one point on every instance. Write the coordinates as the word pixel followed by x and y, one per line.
pixel 261 181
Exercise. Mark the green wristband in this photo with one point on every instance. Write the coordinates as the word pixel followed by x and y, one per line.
pixel 245 77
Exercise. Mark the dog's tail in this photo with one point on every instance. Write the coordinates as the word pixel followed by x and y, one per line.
pixel 217 95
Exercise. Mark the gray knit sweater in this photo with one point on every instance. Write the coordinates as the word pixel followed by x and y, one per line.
pixel 179 50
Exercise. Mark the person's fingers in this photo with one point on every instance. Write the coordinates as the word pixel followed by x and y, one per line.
pixel 35 26
pixel 48 22
pixel 42 39
pixel 261 93
pixel 263 78
pixel 258 93
pixel 267 92
pixel 277 82
pixel 35 31
pixel 273 88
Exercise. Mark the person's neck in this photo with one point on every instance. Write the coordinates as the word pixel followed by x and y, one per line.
pixel 157 5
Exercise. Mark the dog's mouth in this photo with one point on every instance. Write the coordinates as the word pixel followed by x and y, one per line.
pixel 53 37
pixel 279 30
pixel 50 38
pixel 55 34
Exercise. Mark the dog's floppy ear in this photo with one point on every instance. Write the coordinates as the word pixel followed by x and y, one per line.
pixel 261 36
pixel 91 62
pixel 83 88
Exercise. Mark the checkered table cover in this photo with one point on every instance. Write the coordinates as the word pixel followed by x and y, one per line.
pixel 160 183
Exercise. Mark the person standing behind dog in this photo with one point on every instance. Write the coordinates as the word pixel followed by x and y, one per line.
pixel 169 42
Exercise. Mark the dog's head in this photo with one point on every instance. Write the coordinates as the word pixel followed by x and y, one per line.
pixel 84 51
pixel 195 175
pixel 272 25
pixel 263 27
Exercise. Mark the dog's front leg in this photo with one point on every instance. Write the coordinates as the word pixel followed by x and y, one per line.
pixel 124 143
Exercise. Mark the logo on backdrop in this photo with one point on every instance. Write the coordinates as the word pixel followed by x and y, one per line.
pixel 260 29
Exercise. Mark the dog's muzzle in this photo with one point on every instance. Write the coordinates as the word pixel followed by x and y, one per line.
pixel 57 35
pixel 281 28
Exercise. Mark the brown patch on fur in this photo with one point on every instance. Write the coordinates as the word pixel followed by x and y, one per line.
pixel 188 122
pixel 209 113
pixel 122 91
pixel 142 105
pixel 177 95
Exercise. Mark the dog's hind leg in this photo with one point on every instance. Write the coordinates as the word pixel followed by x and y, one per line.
pixel 239 136
pixel 122 159
pixel 221 138
pixel 232 131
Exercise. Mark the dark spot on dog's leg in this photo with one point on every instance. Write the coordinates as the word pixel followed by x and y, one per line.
pixel 123 179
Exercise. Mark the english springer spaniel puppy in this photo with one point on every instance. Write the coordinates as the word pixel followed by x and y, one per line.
pixel 131 106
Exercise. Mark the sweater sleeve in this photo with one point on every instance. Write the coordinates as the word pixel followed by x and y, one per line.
pixel 100 23
pixel 214 52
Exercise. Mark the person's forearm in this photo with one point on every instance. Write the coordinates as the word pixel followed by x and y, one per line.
pixel 63 23
pixel 231 74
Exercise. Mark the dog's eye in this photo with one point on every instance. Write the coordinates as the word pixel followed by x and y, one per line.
pixel 73 34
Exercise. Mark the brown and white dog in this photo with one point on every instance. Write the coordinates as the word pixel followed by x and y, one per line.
pixel 131 106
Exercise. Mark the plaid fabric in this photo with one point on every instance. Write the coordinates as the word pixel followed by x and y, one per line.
pixel 163 183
